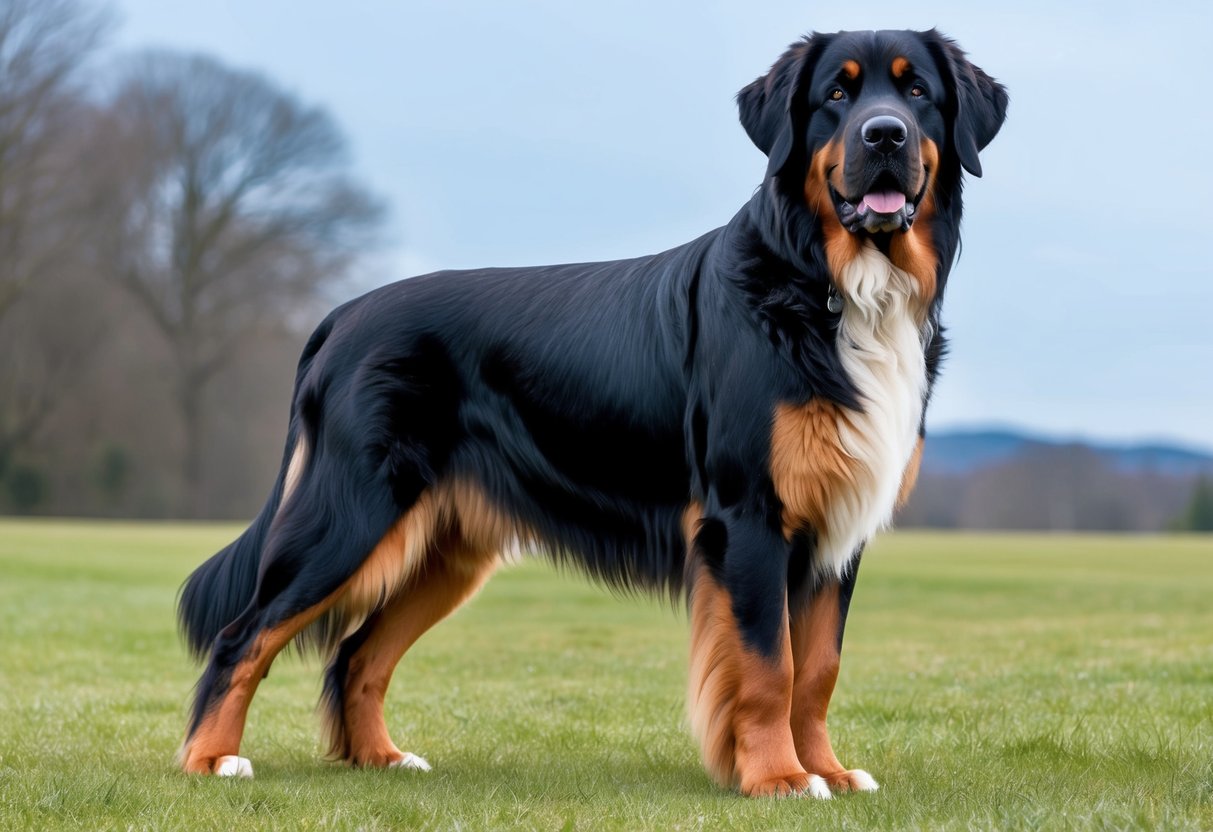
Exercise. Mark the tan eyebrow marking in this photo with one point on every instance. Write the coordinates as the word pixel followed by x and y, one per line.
pixel 851 69
pixel 901 65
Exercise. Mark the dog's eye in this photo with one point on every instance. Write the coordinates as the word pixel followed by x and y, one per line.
pixel 918 90
pixel 837 94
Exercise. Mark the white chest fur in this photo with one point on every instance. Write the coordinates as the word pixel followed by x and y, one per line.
pixel 881 346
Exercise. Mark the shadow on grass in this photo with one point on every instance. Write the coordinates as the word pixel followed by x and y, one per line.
pixel 586 777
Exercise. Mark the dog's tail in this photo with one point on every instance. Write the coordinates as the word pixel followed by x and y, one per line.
pixel 220 588
pixel 223 586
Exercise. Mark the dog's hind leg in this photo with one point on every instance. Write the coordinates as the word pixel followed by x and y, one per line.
pixel 241 658
pixel 313 553
pixel 358 676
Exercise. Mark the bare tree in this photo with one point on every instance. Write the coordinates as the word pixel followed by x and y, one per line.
pixel 44 45
pixel 233 205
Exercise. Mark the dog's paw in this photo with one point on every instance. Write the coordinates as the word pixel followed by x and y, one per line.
pixel 233 766
pixel 790 785
pixel 818 788
pixel 854 780
pixel 411 761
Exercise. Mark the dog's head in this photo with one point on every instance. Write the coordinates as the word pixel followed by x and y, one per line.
pixel 868 122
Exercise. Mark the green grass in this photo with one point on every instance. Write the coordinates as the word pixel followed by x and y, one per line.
pixel 989 682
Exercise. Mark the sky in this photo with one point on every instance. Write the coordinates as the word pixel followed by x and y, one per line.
pixel 524 133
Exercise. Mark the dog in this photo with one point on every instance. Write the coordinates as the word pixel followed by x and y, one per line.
pixel 730 420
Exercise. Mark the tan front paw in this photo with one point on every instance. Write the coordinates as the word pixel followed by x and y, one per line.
pixel 789 785
pixel 224 765
pixel 855 780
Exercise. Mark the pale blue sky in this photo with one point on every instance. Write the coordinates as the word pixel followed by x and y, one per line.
pixel 539 132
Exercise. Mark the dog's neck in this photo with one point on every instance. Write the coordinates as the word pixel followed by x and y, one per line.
pixel 794 235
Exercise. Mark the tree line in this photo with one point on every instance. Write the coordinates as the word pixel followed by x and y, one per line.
pixel 170 229
pixel 1060 488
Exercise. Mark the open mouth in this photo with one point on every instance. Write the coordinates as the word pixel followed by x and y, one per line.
pixel 884 207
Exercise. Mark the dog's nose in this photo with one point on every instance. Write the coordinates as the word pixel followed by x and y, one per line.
pixel 884 134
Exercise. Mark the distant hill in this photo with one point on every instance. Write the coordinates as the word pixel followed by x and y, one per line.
pixel 965 451
pixel 1008 479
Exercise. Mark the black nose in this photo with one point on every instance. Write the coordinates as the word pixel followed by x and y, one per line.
pixel 884 134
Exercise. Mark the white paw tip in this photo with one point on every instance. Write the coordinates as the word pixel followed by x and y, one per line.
pixel 818 788
pixel 412 761
pixel 861 781
pixel 233 766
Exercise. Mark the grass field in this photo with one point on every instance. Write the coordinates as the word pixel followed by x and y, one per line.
pixel 989 682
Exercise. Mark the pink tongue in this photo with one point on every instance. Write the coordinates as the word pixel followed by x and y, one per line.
pixel 885 202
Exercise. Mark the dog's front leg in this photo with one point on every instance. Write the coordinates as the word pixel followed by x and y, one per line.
pixel 816 637
pixel 742 669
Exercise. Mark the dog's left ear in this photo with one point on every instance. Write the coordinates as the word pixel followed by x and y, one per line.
pixel 766 106
pixel 981 102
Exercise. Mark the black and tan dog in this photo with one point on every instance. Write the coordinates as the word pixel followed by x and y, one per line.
pixel 732 418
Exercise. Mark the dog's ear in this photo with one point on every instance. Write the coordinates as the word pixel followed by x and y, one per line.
pixel 980 101
pixel 766 106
